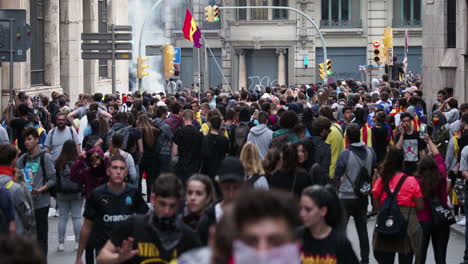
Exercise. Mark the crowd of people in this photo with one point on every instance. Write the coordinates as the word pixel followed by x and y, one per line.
pixel 265 176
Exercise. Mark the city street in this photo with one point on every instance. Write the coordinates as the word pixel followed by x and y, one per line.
pixel 455 250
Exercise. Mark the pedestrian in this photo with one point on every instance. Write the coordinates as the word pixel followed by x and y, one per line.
pixel 151 147
pixel 16 249
pixel 59 134
pixel 214 147
pixel 69 197
pixel 286 134
pixel 464 171
pixel 240 131
pixel 115 149
pixel 409 199
pixel 19 124
pixel 317 150
pixel 290 177
pixel 7 213
pixel 200 193
pixel 410 142
pixel 253 168
pixel 349 167
pixel 187 147
pixel 40 167
pixel 175 120
pixel 261 135
pixel 108 205
pixel 335 138
pixel 230 180
pixel 164 156
pixel 161 233
pixel 25 223
pixel 259 216
pixel 322 237
pixel 432 177
pixel 90 170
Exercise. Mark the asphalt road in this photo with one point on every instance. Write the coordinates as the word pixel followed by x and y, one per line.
pixel 456 245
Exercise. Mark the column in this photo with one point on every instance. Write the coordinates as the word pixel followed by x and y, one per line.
pixel 281 66
pixel 51 43
pixel 242 70
pixel 71 27
pixel 91 67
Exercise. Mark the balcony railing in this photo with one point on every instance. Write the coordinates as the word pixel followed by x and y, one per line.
pixel 403 23
pixel 340 24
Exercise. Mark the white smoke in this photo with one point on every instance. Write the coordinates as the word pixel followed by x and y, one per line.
pixel 153 34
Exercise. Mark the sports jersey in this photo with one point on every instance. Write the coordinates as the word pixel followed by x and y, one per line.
pixel 157 242
pixel 106 209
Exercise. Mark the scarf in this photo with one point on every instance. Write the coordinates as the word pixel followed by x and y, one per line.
pixel 7 170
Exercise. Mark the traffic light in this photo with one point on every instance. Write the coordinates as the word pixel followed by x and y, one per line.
pixel 328 64
pixel 141 67
pixel 387 40
pixel 321 70
pixel 376 52
pixel 209 14
pixel 215 13
pixel 168 61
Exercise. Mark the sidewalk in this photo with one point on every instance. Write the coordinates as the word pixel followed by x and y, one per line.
pixel 458 229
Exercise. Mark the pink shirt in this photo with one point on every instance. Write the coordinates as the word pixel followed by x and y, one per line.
pixel 408 191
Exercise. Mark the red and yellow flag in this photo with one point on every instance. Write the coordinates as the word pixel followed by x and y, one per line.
pixel 191 30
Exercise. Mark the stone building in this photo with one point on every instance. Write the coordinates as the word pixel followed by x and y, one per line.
pixel 445 51
pixel 54 60
pixel 266 47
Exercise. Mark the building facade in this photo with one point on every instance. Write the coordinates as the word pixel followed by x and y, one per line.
pixel 267 47
pixel 445 51
pixel 54 61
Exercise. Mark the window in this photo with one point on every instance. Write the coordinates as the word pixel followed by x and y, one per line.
pixel 451 23
pixel 278 13
pixel 102 17
pixel 242 13
pixel 340 13
pixel 37 47
pixel 259 14
pixel 407 13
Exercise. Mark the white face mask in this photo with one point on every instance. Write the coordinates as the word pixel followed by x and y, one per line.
pixel 285 254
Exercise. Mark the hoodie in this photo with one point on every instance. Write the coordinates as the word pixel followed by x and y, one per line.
pixel 441 124
pixel 348 167
pixel 91 178
pixel 40 177
pixel 261 136
pixel 165 137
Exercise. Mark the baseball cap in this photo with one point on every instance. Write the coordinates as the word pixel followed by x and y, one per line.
pixel 231 169
pixel 408 90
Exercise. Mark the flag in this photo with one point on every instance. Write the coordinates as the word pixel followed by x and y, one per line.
pixel 191 30
pixel 406 41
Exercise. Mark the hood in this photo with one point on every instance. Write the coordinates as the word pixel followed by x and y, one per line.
pixel 33 157
pixel 359 149
pixel 91 151
pixel 159 122
pixel 259 130
pixel 281 132
pixel 118 126
pixel 232 103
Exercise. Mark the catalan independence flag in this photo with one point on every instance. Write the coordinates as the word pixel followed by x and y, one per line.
pixel 191 30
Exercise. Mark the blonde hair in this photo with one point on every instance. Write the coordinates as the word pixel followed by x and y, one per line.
pixel 250 159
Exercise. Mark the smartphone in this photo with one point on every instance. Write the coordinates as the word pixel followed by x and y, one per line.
pixel 422 130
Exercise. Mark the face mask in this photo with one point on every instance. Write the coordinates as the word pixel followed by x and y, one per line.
pixel 435 121
pixel 128 104
pixel 165 223
pixel 285 254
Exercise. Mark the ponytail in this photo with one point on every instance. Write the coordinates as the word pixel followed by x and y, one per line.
pixel 326 196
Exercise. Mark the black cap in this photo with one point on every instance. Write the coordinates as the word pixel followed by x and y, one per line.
pixel 231 169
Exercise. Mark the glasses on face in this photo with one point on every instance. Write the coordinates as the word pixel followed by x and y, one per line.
pixel 61 119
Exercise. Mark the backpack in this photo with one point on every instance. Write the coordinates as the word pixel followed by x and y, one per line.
pixel 240 133
pixel 362 186
pixel 441 215
pixel 53 190
pixel 125 132
pixel 4 226
pixel 52 135
pixel 441 140
pixel 391 224
pixel 64 183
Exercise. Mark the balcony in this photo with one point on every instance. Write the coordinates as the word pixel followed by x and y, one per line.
pixel 340 24
pixel 211 25
pixel 404 23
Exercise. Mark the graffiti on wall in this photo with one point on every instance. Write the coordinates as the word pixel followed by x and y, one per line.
pixel 258 83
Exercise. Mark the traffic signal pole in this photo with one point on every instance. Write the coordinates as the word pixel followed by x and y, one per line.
pixel 291 9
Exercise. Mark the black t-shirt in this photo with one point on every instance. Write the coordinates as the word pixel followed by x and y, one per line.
pixel 18 126
pixel 214 150
pixel 335 248
pixel 147 239
pixel 106 209
pixel 188 140
pixel 294 183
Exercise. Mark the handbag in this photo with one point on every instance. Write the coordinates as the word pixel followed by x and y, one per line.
pixel 441 214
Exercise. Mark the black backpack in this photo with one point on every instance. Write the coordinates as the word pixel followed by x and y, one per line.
pixel 391 224
pixel 4 226
pixel 362 186
pixel 441 215
pixel 64 183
